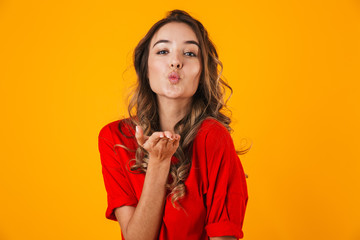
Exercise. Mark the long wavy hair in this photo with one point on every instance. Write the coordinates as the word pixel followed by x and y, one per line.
pixel 207 102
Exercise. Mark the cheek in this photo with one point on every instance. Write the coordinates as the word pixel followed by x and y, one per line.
pixel 154 68
pixel 154 73
pixel 196 71
pixel 199 70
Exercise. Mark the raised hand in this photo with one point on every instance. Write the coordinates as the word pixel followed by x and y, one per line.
pixel 160 145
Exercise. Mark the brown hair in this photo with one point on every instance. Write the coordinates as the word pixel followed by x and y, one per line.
pixel 207 102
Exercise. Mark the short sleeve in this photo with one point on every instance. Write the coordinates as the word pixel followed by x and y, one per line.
pixel 119 191
pixel 226 196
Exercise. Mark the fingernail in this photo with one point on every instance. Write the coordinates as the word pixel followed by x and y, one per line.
pixel 137 129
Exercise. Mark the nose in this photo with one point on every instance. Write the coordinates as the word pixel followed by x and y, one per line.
pixel 176 62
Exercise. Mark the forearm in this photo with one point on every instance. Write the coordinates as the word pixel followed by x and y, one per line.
pixel 146 220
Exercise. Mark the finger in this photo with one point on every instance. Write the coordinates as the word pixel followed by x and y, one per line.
pixel 177 137
pixel 156 136
pixel 176 141
pixel 139 135
pixel 154 139
pixel 169 135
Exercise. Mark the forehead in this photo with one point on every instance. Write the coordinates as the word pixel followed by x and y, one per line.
pixel 174 31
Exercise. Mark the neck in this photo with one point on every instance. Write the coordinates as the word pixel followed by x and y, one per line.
pixel 171 111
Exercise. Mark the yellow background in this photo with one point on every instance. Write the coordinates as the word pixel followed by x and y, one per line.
pixel 294 68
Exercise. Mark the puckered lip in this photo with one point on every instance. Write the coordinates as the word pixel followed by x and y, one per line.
pixel 174 76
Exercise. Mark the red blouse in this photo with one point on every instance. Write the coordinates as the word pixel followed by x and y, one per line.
pixel 216 191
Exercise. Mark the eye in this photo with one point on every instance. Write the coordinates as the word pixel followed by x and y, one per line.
pixel 162 52
pixel 190 54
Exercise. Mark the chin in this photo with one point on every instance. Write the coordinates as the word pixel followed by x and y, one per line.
pixel 175 96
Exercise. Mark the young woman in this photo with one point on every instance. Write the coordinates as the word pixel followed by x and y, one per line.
pixel 171 170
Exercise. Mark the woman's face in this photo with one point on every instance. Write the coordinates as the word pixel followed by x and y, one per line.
pixel 174 64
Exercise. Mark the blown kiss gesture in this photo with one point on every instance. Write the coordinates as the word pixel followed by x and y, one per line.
pixel 161 146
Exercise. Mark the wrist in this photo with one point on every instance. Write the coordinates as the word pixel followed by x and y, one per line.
pixel 159 161
pixel 159 164
pixel 158 173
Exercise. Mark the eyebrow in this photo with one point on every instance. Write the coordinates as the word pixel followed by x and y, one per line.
pixel 186 42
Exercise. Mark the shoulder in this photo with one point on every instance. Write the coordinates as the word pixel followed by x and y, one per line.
pixel 117 129
pixel 214 145
pixel 212 130
pixel 213 136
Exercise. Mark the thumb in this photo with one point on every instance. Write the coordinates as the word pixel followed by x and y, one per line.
pixel 139 135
